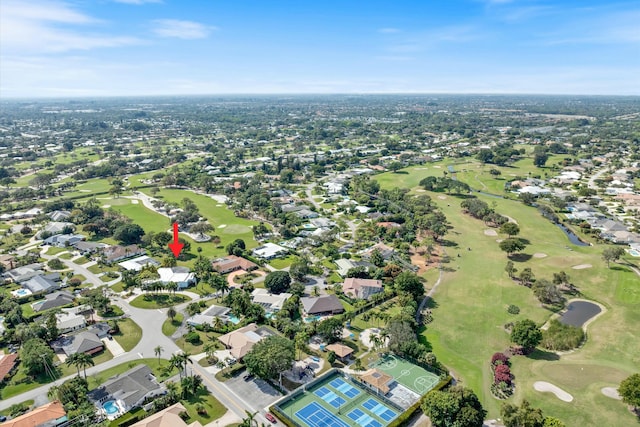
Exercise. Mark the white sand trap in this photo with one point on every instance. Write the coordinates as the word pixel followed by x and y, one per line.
pixel 437 167
pixel 611 392
pixel 442 197
pixel 490 232
pixel 421 191
pixel 544 386
pixel 134 201
pixel 222 226
pixel 499 240
pixel 218 206
pixel 581 266
pixel 511 219
pixel 539 255
pixel 106 206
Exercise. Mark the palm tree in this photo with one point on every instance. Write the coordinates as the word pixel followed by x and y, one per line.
pixel 171 313
pixel 72 360
pixel 83 361
pixel 249 421
pixel 158 351
pixel 209 349
pixel 172 390
pixel 176 362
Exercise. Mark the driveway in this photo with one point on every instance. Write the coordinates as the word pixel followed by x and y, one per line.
pixel 256 391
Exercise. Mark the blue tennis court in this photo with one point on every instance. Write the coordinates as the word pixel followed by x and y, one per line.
pixel 363 419
pixel 344 388
pixel 316 416
pixel 379 409
pixel 330 397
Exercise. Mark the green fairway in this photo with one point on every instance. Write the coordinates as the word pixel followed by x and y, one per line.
pixel 470 311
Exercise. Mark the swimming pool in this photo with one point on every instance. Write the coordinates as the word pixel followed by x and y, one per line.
pixel 311 319
pixel 22 292
pixel 633 252
pixel 233 319
pixel 110 407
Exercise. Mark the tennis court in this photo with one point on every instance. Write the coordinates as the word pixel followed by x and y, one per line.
pixel 413 377
pixel 336 401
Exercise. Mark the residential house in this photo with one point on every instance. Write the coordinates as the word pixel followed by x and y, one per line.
pixel 53 300
pixel 377 381
pixel 101 329
pixel 342 351
pixel 232 263
pixel 269 251
pixel 59 215
pixel 241 341
pixel 82 342
pixel 116 253
pixel 24 273
pixel 322 222
pixel 8 261
pixel 67 321
pixel 50 415
pixel 8 362
pixel 41 285
pixel 55 227
pixel 361 288
pixel 271 302
pixel 137 264
pixel 344 265
pixel 386 251
pixel 306 214
pixel 63 240
pixel 321 306
pixel 169 417
pixel 87 248
pixel 129 389
pixel 181 276
pixel 209 316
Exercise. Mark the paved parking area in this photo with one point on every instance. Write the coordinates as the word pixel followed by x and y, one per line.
pixel 256 391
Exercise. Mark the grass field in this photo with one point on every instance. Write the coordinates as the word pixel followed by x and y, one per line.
pixel 214 409
pixel 152 301
pixel 470 312
pixel 406 373
pixel 130 334
pixel 159 370
pixel 169 327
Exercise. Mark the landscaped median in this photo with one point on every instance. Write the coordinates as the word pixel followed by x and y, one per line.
pixel 154 301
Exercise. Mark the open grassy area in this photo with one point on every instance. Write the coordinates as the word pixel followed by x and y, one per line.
pixel 280 263
pixel 469 311
pixel 129 335
pixel 55 250
pixel 153 301
pixel 197 348
pixel 169 327
pixel 214 409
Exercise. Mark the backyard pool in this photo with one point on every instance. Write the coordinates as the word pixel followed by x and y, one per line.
pixel 311 319
pixel 22 292
pixel 578 312
pixel 110 407
pixel 233 319
pixel 633 252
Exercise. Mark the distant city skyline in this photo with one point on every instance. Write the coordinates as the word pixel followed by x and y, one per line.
pixel 51 48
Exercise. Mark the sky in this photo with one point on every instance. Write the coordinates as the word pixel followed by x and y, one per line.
pixel 186 47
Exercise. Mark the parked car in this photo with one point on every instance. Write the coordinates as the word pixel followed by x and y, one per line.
pixel 248 377
pixel 271 418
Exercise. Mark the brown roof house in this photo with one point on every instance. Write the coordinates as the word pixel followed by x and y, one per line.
pixel 169 417
pixel 117 252
pixel 241 341
pixel 7 364
pixel 377 381
pixel 322 306
pixel 49 415
pixel 361 288
pixel 232 263
pixel 342 351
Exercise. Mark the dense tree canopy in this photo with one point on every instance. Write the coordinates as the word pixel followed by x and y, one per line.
pixel 36 356
pixel 458 406
pixel 270 356
pixel 630 390
pixel 526 333
pixel 277 282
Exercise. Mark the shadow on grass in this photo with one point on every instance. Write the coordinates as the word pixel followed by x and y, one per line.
pixel 520 257
pixel 401 172
pixel 538 354
pixel 448 243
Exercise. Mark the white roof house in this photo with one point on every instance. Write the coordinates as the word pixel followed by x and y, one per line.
pixel 138 263
pixel 66 321
pixel 269 250
pixel 270 302
pixel 182 276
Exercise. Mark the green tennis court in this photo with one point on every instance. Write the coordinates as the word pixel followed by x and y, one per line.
pixel 413 377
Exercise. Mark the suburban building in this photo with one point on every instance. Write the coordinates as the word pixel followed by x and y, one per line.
pixel 55 227
pixel 8 363
pixel 386 251
pixel 269 251
pixel 128 389
pixel 53 300
pixel 59 215
pixel 24 273
pixel 241 341
pixel 270 302
pixel 50 415
pixel 321 306
pixel 69 321
pixel 8 261
pixel 377 381
pixel 342 351
pixel 116 253
pixel 344 265
pixel 63 240
pixel 232 263
pixel 181 276
pixel 169 417
pixel 137 264
pixel 361 288
pixel 209 316
pixel 86 248
pixel 82 342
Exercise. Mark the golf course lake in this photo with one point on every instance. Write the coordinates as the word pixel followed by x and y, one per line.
pixel 579 312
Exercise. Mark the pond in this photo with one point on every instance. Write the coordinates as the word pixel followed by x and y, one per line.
pixel 572 236
pixel 578 312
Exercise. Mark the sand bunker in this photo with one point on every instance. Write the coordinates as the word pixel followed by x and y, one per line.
pixel 442 197
pixel 499 240
pixel 510 219
pixel 490 232
pixel 134 201
pixel 611 392
pixel 544 386
pixel 539 255
pixel 222 226
pixel 437 167
pixel 106 206
pixel 421 191
pixel 581 266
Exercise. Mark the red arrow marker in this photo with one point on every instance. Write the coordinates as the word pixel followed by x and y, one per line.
pixel 176 246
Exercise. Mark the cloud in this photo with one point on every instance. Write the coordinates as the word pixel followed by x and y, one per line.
pixel 388 30
pixel 186 30
pixel 49 26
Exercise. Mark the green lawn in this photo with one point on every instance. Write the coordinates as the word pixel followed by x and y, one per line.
pixel 118 287
pixel 470 312
pixel 205 337
pixel 82 260
pixel 214 409
pixel 169 327
pixel 154 301
pixel 55 250
pixel 129 335
pixel 99 358
pixel 26 403
pixel 280 263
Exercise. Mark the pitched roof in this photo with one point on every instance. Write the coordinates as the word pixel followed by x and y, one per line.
pixel 55 299
pixel 7 362
pixel 86 342
pixel 361 288
pixel 340 350
pixel 39 416
pixel 232 262
pixel 321 304
pixel 130 386
pixel 168 417
pixel 241 341
pixel 377 379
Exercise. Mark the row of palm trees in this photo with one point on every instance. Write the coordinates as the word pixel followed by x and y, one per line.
pixel 80 361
